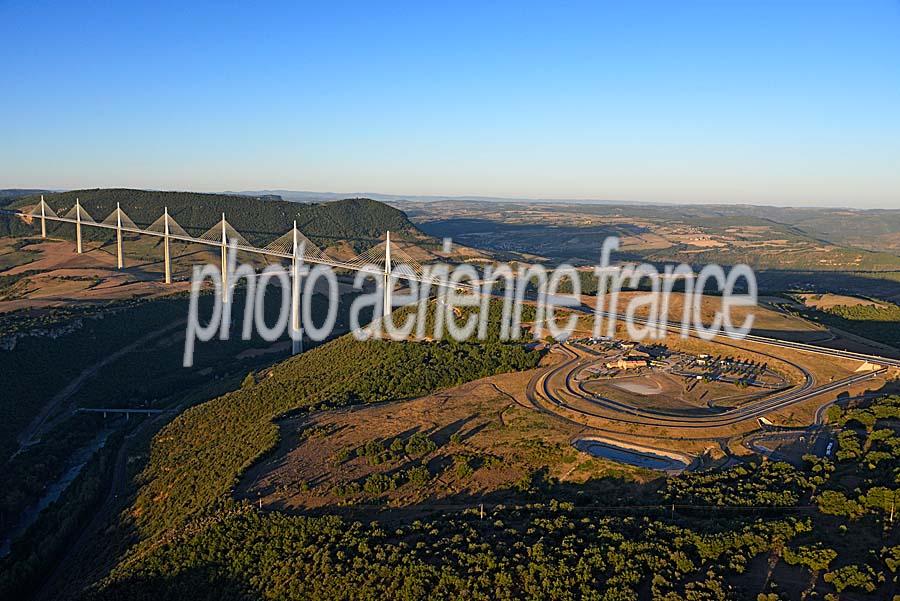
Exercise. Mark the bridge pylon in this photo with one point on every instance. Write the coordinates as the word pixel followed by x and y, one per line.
pixel 120 261
pixel 167 257
pixel 388 299
pixel 296 332
pixel 43 212
pixel 224 261
pixel 43 218
pixel 78 247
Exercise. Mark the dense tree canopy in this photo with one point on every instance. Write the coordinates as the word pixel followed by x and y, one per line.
pixel 545 550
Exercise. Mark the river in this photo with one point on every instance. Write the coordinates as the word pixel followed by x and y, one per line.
pixel 30 514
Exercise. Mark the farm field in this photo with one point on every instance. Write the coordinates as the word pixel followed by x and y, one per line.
pixel 767 320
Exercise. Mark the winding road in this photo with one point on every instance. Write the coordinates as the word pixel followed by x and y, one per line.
pixel 554 386
pixel 766 340
pixel 559 386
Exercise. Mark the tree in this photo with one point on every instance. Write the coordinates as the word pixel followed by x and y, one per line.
pixel 833 502
pixel 854 576
pixel 813 557
pixel 248 381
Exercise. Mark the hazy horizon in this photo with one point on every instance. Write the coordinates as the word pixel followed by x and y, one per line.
pixel 328 195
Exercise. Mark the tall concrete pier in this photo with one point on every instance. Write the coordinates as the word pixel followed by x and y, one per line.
pixel 43 218
pixel 296 332
pixel 78 248
pixel 224 261
pixel 386 305
pixel 167 259
pixel 119 258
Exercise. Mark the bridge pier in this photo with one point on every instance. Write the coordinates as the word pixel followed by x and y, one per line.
pixel 43 218
pixel 296 332
pixel 78 247
pixel 224 262
pixel 119 260
pixel 388 300
pixel 167 260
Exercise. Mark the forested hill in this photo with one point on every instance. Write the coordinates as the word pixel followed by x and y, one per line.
pixel 10 195
pixel 260 220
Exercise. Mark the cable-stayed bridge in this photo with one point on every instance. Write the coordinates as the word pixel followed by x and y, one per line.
pixel 382 260
pixel 222 233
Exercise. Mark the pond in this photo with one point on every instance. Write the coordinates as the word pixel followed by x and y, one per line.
pixel 647 459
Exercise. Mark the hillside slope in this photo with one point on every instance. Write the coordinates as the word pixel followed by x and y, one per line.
pixel 198 457
pixel 358 221
pixel 759 530
pixel 10 195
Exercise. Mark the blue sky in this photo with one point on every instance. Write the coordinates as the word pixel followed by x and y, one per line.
pixel 787 102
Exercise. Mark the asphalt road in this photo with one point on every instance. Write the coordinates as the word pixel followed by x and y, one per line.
pixel 556 386
pixel 776 342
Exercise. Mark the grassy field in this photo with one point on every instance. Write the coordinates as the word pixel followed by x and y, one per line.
pixel 829 301
pixel 765 319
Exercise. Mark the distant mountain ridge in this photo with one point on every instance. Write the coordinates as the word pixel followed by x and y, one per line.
pixel 737 207
pixel 311 196
pixel 358 221
pixel 872 229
